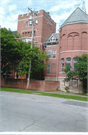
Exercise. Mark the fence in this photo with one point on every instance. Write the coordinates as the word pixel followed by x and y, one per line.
pixel 34 84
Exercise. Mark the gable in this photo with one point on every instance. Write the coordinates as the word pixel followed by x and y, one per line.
pixel 52 38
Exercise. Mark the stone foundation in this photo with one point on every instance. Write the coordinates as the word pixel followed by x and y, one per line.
pixel 74 85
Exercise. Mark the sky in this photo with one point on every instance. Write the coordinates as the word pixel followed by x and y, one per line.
pixel 59 10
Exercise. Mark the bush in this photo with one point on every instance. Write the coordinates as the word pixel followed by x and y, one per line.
pixel 67 89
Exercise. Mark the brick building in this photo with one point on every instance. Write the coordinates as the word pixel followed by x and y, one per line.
pixel 43 24
pixel 71 41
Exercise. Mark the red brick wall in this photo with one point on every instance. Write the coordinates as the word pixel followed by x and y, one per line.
pixel 37 85
pixel 34 84
pixel 51 86
pixel 13 83
pixel 73 42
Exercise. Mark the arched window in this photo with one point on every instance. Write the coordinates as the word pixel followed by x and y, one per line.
pixel 68 61
pixel 62 65
pixel 74 62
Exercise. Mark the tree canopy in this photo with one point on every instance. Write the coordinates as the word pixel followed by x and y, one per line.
pixel 16 55
pixel 10 51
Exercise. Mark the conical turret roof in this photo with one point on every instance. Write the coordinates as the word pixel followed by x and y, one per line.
pixel 78 16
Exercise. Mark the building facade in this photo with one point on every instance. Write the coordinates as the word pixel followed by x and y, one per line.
pixel 62 47
pixel 72 42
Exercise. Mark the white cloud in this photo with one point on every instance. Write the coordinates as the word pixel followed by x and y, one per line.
pixel 2 10
pixel 12 7
pixel 7 24
pixel 64 5
pixel 55 8
pixel 57 18
pixel 5 1
pixel 57 28
pixel 12 18
pixel 86 6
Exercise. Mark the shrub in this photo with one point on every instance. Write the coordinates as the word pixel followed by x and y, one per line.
pixel 67 89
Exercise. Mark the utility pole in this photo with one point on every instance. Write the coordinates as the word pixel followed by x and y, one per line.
pixel 32 20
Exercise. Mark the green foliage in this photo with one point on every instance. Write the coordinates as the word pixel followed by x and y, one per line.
pixel 17 55
pixel 69 73
pixel 10 51
pixel 36 58
pixel 67 89
pixel 67 68
pixel 82 70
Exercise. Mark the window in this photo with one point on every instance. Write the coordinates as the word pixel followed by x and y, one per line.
pixel 26 24
pixel 48 68
pixel 68 61
pixel 74 62
pixel 30 34
pixel 34 33
pixel 35 43
pixel 36 21
pixel 22 34
pixel 62 65
pixel 49 53
pixel 30 23
pixel 54 53
pixel 25 34
pixel 52 39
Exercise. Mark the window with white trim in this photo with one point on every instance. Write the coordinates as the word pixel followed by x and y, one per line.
pixel 49 53
pixel 54 53
pixel 62 65
pixel 48 69
pixel 74 62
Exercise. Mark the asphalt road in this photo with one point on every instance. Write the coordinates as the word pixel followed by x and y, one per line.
pixel 35 113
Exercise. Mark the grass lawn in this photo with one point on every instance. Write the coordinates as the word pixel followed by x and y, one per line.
pixel 45 94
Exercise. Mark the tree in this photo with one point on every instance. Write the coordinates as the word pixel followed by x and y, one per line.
pixel 69 73
pixel 81 71
pixel 37 58
pixel 16 55
pixel 10 51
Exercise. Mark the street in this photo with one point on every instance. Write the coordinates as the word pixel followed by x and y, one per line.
pixel 35 113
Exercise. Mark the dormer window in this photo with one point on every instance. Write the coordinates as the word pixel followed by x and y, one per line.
pixel 52 39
